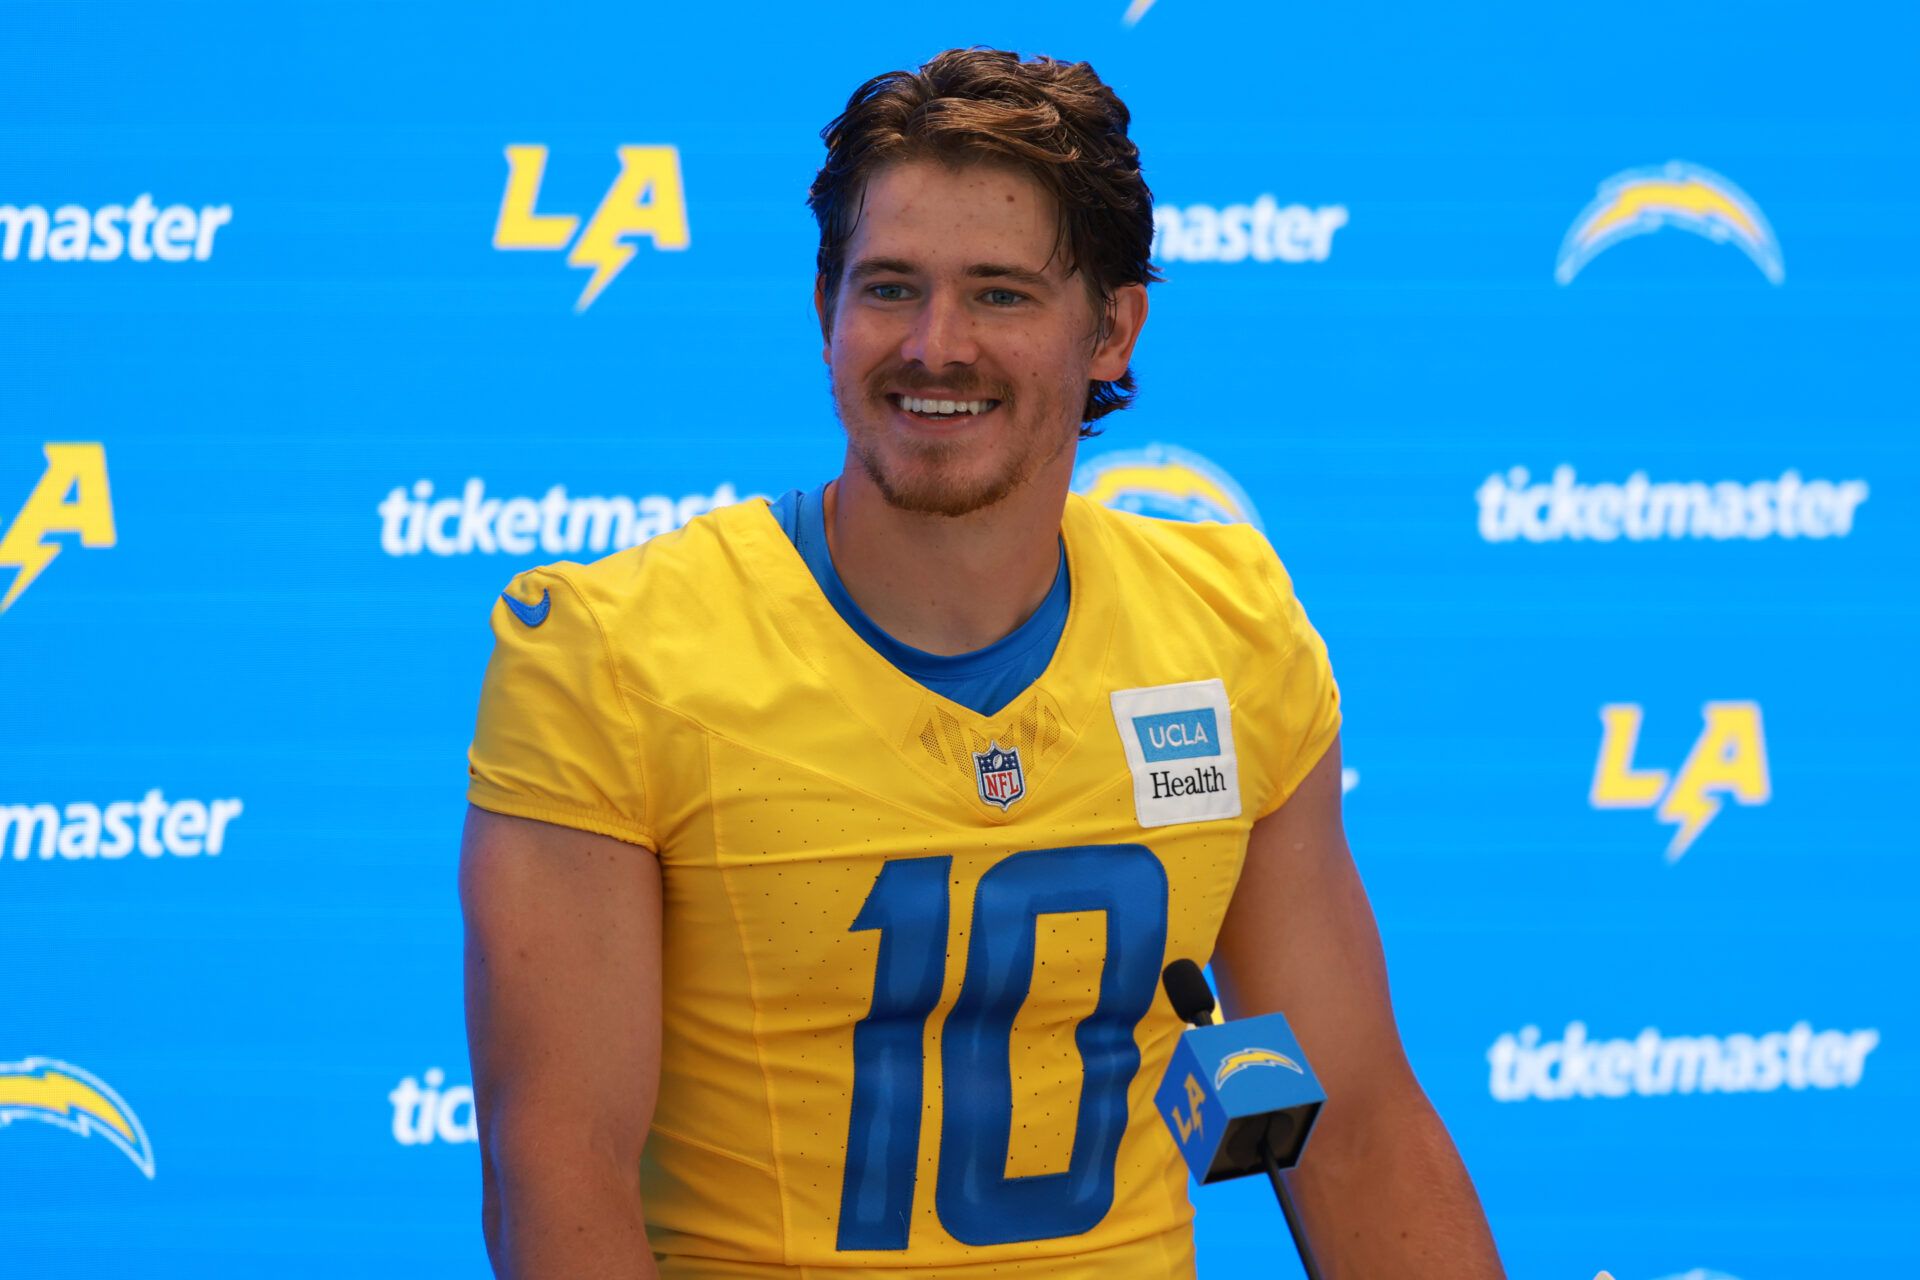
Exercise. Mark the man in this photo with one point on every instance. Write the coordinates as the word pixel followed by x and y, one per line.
pixel 830 851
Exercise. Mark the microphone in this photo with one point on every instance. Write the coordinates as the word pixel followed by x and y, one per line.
pixel 1188 992
pixel 1238 1097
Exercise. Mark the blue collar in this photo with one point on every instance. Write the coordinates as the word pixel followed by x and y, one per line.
pixel 984 680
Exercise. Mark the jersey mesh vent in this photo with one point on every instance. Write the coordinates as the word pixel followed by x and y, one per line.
pixel 930 739
pixel 1032 728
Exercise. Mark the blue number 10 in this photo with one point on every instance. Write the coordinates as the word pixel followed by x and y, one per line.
pixel 977 1203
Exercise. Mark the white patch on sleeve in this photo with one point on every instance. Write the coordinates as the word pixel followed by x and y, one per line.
pixel 1179 744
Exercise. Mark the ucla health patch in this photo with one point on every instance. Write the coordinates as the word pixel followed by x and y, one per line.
pixel 1179 744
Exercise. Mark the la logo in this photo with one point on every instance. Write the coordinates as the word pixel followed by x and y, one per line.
pixel 71 498
pixel 1188 1122
pixel 646 199
pixel 1728 758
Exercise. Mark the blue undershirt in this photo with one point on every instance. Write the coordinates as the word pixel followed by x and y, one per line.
pixel 985 680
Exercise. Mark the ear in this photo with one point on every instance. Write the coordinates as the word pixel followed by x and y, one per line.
pixel 1126 315
pixel 826 320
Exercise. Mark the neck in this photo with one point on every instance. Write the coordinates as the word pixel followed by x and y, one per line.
pixel 948 584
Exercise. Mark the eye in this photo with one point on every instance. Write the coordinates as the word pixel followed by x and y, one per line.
pixel 887 292
pixel 1003 297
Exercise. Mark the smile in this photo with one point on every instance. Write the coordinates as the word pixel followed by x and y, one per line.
pixel 937 409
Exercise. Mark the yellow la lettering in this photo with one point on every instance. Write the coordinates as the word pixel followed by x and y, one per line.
pixel 1730 756
pixel 72 497
pixel 646 199
pixel 1616 783
pixel 519 227
pixel 1190 1124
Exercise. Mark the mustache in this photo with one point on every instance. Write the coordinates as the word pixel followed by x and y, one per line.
pixel 964 384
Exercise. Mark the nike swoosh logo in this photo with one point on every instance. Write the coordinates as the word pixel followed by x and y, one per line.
pixel 531 614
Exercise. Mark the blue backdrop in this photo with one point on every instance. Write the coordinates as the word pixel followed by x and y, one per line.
pixel 1565 357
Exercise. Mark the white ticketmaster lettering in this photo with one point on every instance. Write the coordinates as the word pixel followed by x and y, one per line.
pixel 140 230
pixel 153 826
pixel 428 1110
pixel 1653 1065
pixel 1263 231
pixel 1513 507
pixel 414 522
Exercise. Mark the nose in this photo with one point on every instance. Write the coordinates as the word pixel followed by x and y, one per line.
pixel 941 334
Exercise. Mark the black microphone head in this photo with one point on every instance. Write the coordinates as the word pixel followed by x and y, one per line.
pixel 1188 990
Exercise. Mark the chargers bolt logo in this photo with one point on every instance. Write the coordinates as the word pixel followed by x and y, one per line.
pixel 1166 482
pixel 1639 202
pixel 59 1093
pixel 1240 1059
pixel 72 498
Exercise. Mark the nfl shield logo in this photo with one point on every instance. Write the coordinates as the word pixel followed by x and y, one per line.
pixel 1001 780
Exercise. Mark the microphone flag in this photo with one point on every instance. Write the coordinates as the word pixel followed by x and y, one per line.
pixel 1233 1083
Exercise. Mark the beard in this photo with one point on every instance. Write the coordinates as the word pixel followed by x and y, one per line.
pixel 953 476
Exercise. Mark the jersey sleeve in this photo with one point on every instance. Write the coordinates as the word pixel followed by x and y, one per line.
pixel 556 739
pixel 1296 711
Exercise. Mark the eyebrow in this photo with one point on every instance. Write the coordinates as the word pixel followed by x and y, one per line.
pixel 1002 271
pixel 880 267
pixel 866 267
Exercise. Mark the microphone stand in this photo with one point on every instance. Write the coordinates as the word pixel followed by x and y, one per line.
pixel 1284 1194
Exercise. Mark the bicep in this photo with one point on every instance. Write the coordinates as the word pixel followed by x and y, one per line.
pixel 563 984
pixel 1299 938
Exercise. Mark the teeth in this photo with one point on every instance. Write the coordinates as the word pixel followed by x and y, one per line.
pixel 916 404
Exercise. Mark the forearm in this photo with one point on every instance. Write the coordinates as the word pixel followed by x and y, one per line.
pixel 557 1218
pixel 1383 1192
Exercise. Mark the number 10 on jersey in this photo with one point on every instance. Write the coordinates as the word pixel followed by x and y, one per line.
pixel 977 1203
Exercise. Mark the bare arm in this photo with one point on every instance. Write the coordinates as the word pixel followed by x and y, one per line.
pixel 563 1025
pixel 1381 1190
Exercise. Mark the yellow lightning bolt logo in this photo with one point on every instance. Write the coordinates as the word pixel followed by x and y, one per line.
pixel 647 199
pixel 72 497
pixel 1239 1060
pixel 1688 196
pixel 61 1094
pixel 1693 809
pixel 1640 202
pixel 1728 758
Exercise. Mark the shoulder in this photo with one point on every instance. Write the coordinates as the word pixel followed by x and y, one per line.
pixel 1232 567
pixel 659 621
pixel 674 572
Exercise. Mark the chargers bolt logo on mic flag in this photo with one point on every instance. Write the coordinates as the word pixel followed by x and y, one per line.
pixel 1238 1062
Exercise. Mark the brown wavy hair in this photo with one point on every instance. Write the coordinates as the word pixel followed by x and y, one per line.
pixel 1057 121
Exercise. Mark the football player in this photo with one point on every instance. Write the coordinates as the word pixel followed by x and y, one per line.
pixel 825 854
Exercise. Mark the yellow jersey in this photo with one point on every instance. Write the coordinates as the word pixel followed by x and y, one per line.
pixel 912 1015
